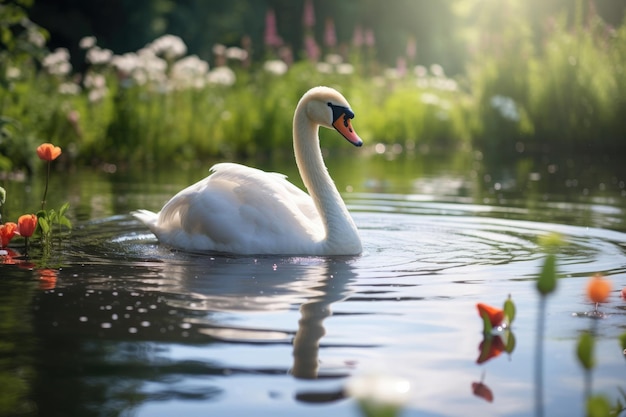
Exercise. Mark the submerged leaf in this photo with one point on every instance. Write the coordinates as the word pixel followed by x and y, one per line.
pixel 585 350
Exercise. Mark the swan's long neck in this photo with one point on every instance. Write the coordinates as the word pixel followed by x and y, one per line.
pixel 341 232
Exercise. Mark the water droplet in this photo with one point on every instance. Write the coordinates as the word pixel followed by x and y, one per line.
pixel 105 325
pixel 145 324
pixel 82 318
pixel 132 330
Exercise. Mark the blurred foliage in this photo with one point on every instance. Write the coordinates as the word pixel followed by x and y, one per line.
pixel 518 75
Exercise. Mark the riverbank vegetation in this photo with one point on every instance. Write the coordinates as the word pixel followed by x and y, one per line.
pixel 162 103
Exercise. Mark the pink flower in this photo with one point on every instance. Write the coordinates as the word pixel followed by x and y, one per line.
pixel 370 40
pixel 308 19
pixel 271 33
pixel 357 37
pixel 330 38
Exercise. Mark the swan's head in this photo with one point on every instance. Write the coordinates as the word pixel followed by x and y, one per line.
pixel 328 108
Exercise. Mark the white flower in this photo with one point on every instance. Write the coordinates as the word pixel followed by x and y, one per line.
pixel 437 70
pixel 36 38
pixel 236 53
pixel 334 59
pixel 13 73
pixel 87 42
pixel 219 49
pixel 126 63
pixel 99 56
pixel 189 72
pixel 57 62
pixel 94 81
pixel 222 76
pixel 169 46
pixel 275 66
pixel 70 89
pixel 97 94
pixel 345 69
pixel 324 67
pixel 420 71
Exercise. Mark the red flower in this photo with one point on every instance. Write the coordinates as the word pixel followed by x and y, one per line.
pixel 26 225
pixel 7 231
pixel 495 315
pixel 48 152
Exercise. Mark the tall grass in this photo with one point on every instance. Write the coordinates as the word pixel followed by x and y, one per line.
pixel 567 91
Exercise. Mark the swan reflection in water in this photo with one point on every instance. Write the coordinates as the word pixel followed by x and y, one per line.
pixel 269 284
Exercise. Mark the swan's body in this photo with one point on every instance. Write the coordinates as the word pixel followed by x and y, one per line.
pixel 243 210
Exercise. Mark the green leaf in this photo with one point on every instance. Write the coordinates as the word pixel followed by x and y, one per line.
pixel 63 209
pixel 547 277
pixel 44 224
pixel 598 406
pixel 509 346
pixel 487 327
pixel 509 310
pixel 622 340
pixel 584 350
pixel 64 221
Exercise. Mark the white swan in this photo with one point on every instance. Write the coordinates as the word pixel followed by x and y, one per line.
pixel 243 210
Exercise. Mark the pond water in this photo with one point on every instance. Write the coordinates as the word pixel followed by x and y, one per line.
pixel 127 327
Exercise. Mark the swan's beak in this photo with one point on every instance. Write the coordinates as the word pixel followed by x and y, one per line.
pixel 343 124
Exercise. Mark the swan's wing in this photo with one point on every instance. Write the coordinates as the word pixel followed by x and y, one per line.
pixel 242 206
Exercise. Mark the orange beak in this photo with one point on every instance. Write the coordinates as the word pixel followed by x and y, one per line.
pixel 342 121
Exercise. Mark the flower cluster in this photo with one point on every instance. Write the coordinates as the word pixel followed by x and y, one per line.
pixel 27 224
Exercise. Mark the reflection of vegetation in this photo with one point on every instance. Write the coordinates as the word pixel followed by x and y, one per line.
pixel 16 344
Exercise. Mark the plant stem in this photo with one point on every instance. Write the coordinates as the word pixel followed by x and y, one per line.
pixel 539 358
pixel 45 192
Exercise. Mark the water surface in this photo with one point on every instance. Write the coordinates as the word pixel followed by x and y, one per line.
pixel 132 328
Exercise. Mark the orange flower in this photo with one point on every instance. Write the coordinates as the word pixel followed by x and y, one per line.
pixel 48 152
pixel 624 293
pixel 7 231
pixel 598 288
pixel 26 225
pixel 495 315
